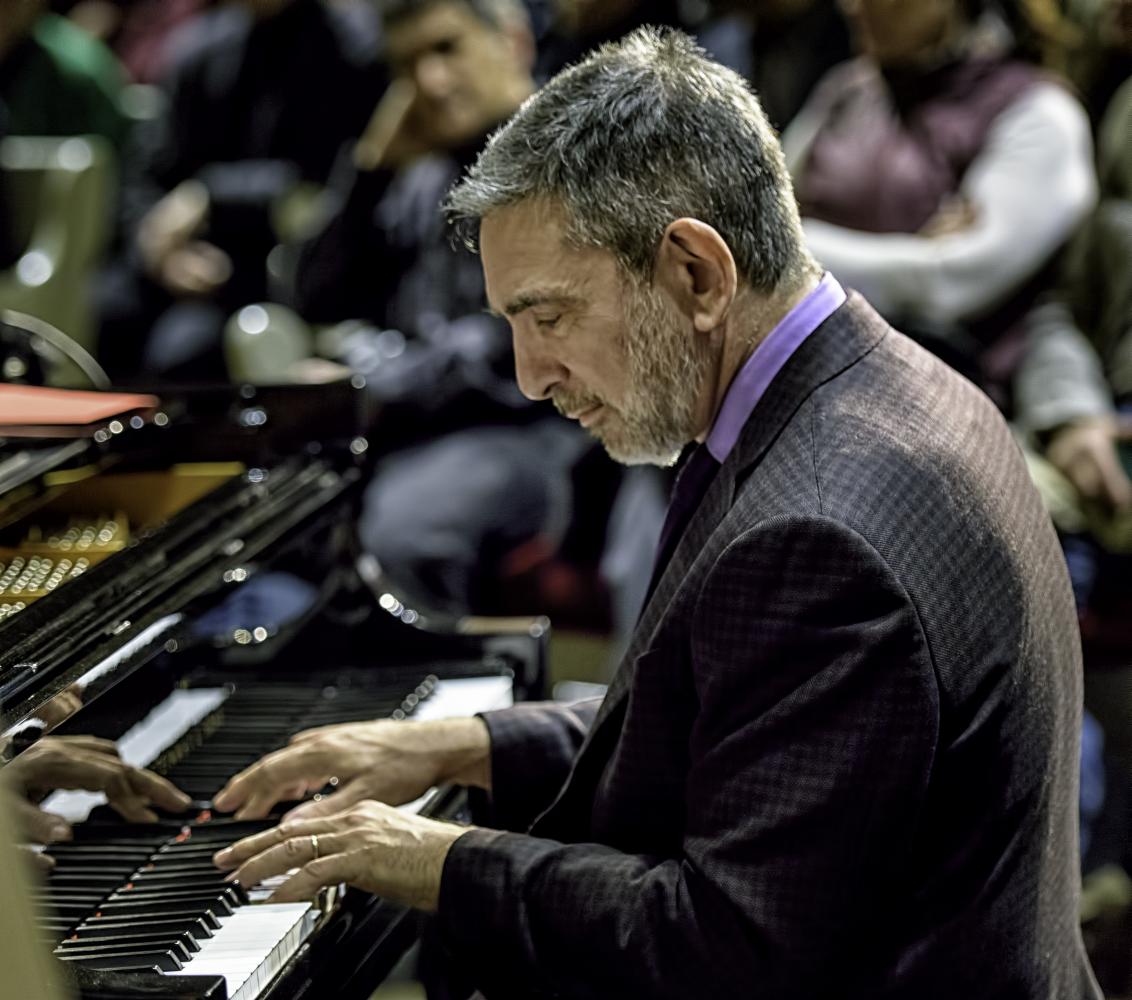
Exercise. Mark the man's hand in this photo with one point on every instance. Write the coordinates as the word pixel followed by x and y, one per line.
pixel 32 824
pixel 389 141
pixel 1085 452
pixel 195 270
pixel 375 847
pixel 93 765
pixel 955 215
pixel 392 762
pixel 173 256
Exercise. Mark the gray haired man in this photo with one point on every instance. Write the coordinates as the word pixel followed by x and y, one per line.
pixel 839 758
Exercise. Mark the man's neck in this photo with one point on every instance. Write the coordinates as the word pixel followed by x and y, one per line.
pixel 748 326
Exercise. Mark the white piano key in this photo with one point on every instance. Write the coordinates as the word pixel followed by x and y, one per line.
pixel 252 946
pixel 464 696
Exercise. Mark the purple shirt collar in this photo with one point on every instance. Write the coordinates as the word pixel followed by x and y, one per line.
pixel 773 352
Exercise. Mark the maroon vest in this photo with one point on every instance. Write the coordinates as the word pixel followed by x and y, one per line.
pixel 894 146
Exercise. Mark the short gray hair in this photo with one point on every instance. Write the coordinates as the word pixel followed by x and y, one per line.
pixel 642 132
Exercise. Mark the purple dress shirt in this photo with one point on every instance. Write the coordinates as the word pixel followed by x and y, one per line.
pixel 773 352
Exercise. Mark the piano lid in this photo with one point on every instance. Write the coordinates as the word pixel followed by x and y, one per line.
pixel 103 541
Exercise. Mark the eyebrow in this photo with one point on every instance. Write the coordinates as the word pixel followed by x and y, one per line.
pixel 527 300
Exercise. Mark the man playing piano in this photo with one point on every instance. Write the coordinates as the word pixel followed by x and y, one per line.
pixel 840 756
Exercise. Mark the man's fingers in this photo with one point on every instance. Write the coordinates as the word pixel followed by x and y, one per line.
pixel 123 798
pixel 310 734
pixel 259 806
pixel 43 863
pixel 346 796
pixel 93 765
pixel 133 809
pixel 92 772
pixel 158 790
pixel 327 806
pixel 239 852
pixel 37 826
pixel 263 801
pixel 102 773
pixel 267 778
pixel 306 882
pixel 92 743
pixel 294 852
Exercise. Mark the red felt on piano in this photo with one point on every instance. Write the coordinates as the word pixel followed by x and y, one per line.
pixel 34 410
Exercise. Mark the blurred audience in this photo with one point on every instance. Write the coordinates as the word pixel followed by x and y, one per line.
pixel 919 166
pixel 579 25
pixel 1101 59
pixel 55 79
pixel 478 470
pixel 137 31
pixel 1074 386
pixel 782 46
pixel 261 94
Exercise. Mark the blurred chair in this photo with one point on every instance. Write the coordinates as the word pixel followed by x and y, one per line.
pixel 61 194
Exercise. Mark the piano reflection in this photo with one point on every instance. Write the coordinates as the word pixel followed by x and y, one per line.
pixel 188 585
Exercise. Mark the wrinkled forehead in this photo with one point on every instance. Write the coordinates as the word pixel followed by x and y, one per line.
pixel 527 259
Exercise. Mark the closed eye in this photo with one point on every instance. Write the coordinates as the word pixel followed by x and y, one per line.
pixel 548 323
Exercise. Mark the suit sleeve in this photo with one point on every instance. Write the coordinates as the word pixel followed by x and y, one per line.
pixel 810 756
pixel 533 746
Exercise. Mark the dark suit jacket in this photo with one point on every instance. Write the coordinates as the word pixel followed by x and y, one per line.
pixel 840 757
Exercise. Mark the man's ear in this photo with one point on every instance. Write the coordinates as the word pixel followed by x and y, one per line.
pixel 695 267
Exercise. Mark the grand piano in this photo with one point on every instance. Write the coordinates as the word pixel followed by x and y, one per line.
pixel 190 570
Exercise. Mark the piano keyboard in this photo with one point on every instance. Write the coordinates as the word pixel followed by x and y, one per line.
pixel 253 946
pixel 172 738
pixel 127 898
pixel 132 902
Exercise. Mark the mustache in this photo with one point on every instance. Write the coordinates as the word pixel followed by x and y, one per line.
pixel 574 402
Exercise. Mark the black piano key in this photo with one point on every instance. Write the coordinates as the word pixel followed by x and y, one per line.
pixel 66 871
pixel 231 893
pixel 97 949
pixel 187 902
pixel 192 924
pixel 164 961
pixel 187 863
pixel 163 911
pixel 207 907
pixel 75 910
pixel 140 935
pixel 157 893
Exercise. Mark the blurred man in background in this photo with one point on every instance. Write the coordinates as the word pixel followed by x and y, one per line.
pixel 479 471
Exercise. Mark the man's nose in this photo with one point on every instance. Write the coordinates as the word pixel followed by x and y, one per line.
pixel 536 372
